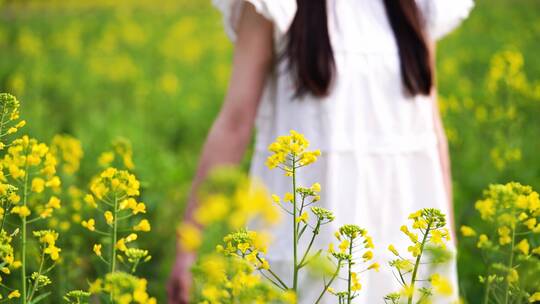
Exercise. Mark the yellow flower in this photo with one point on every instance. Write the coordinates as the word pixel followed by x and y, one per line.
pixel 437 237
pixel 143 225
pixel 95 287
pixel 368 255
pixel 53 182
pixel 512 276
pixel 47 212
pixel 441 285
pixel 128 203
pixel 304 217
pixel 331 248
pixel 106 158
pixel 289 197
pixel 243 247
pixel 393 250
pixel 369 242
pixel 265 265
pixel 132 237
pixel 22 211
pixel 355 286
pixel 97 249
pixel 316 187
pixel 407 290
pixel 483 241
pixel 415 215
pixel 486 208
pixel 189 236
pixel 89 199
pixel 14 294
pixel 292 146
pixel 121 245
pixel 54 203
pixel 419 224
pixel 535 297
pixel 414 250
pixel 140 208
pixel 344 246
pixel 109 218
pixel 403 265
pixel 375 266
pixel 212 209
pixel 524 246
pixel 467 231
pixel 276 199
pixel 38 185
pixel 53 252
pixel 504 235
pixel 90 224
pixel 530 223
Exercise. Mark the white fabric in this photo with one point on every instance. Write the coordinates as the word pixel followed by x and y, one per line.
pixel 443 16
pixel 380 160
pixel 280 12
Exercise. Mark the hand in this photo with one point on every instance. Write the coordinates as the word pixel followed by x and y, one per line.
pixel 180 279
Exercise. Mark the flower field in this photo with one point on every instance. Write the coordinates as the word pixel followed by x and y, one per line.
pixel 135 86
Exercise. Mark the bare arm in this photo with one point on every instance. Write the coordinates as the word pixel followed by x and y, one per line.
pixel 230 134
pixel 442 146
pixel 231 131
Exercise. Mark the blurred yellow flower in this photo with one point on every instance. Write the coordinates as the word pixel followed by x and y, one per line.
pixel 441 285
pixel 143 225
pixel 189 236
pixel 14 294
pixel 97 249
pixel 90 224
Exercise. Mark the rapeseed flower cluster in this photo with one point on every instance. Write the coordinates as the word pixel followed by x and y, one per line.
pixel 427 234
pixel 227 278
pixel 114 193
pixel 120 154
pixel 231 270
pixel 246 200
pixel 289 152
pixel 28 183
pixel 512 214
pixel 33 200
pixel 355 248
pixel 124 288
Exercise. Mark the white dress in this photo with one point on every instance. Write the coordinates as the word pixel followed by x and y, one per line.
pixel 379 158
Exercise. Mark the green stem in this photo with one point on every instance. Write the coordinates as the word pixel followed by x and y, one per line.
pixel 295 230
pixel 274 275
pixel 486 294
pixel 34 287
pixel 349 296
pixel 510 265
pixel 23 251
pixel 112 265
pixel 315 233
pixel 334 276
pixel 417 264
pixel 2 120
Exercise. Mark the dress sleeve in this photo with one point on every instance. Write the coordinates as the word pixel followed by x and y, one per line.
pixel 443 16
pixel 280 12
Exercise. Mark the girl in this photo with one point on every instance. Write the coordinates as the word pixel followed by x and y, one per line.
pixel 356 77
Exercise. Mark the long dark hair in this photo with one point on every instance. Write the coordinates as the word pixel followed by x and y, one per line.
pixel 311 58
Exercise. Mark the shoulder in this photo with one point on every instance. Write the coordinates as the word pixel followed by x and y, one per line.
pixel 280 12
pixel 443 16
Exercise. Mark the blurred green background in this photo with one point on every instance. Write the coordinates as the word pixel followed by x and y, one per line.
pixel 156 72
